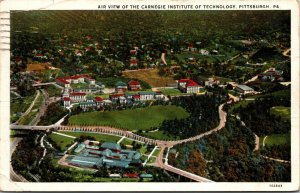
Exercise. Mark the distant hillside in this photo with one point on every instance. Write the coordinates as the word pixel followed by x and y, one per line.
pixel 199 24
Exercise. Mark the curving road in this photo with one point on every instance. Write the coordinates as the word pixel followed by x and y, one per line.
pixel 128 134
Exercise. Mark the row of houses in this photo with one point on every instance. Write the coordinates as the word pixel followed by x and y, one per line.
pixel 133 97
pixel 132 85
pixel 68 80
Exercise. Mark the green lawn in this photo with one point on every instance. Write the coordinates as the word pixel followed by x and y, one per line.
pixel 172 92
pixel 126 141
pixel 25 120
pixel 20 106
pixel 283 112
pixel 61 141
pixel 131 119
pixel 239 104
pixel 277 139
pixel 104 96
pixel 53 91
pixel 160 135
pixel 97 136
pixel 79 85
pixel 156 152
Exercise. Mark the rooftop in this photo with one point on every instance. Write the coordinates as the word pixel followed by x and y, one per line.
pixel 244 87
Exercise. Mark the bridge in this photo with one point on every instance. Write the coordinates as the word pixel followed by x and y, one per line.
pixel 41 84
pixel 130 135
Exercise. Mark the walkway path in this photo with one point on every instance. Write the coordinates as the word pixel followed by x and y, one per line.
pixel 264 140
pixel 129 134
pixel 149 156
pixel 65 135
pixel 275 159
pixel 256 143
pixel 121 140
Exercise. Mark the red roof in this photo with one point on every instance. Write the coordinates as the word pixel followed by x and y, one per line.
pixel 130 175
pixel 133 82
pixel 116 95
pixel 77 94
pixel 98 99
pixel 137 96
pixel 62 80
pixel 67 99
pixel 132 51
pixel 189 82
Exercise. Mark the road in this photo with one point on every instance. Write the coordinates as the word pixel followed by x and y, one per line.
pixel 42 109
pixel 168 144
pixel 285 52
pixel 128 134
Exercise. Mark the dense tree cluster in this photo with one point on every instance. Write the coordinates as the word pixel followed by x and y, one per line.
pixel 277 151
pixel 203 111
pixel 258 118
pixel 53 113
pixel 229 157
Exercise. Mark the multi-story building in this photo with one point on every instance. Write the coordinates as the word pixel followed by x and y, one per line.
pixel 134 85
pixel 188 86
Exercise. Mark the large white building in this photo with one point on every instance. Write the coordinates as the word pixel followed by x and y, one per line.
pixel 66 81
pixel 244 89
pixel 188 86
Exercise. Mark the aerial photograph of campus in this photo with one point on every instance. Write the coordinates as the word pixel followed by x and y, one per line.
pixel 150 96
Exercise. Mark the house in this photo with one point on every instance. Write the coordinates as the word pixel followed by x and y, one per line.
pixel 114 175
pixel 271 75
pixel 121 86
pixel 144 96
pixel 134 85
pixel 211 82
pixel 62 82
pixel 133 61
pixel 159 95
pixel 77 97
pixel 146 175
pixel 204 52
pixel 189 86
pixel 115 147
pixel 244 89
pixel 131 175
pixel 66 101
pixel 116 97
pixel 66 81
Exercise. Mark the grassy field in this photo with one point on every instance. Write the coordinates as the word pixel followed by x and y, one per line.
pixel 278 139
pixel 160 135
pixel 172 92
pixel 97 136
pixel 156 152
pixel 25 120
pixel 283 112
pixel 238 105
pixel 61 141
pixel 131 119
pixel 151 77
pixel 53 91
pixel 36 67
pixel 19 106
pixel 79 85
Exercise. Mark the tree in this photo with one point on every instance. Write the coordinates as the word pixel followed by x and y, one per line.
pixel 196 163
